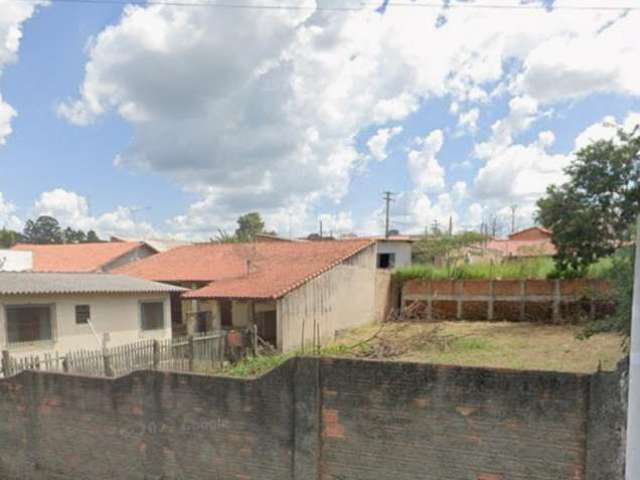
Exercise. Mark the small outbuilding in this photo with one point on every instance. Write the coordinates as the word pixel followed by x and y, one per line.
pixel 294 292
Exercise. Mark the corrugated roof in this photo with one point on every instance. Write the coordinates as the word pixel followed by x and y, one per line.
pixel 22 283
pixel 255 270
pixel 80 257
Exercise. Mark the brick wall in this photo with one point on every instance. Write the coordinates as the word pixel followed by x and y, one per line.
pixel 544 301
pixel 313 419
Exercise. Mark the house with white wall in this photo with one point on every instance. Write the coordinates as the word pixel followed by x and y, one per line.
pixel 294 292
pixel 15 261
pixel 61 312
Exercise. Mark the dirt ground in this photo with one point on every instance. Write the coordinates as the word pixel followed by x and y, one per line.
pixel 489 344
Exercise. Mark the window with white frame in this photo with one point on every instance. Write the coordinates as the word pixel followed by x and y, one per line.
pixel 29 323
pixel 152 315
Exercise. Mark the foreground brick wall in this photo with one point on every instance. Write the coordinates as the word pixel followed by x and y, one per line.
pixel 542 301
pixel 314 419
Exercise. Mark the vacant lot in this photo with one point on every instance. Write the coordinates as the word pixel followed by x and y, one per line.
pixel 487 344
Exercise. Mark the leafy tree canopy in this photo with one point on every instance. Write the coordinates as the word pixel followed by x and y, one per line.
pixel 431 247
pixel 47 230
pixel 8 238
pixel 591 215
pixel 44 230
pixel 249 225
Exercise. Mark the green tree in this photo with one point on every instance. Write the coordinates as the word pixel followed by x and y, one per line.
pixel 8 238
pixel 431 247
pixel 44 230
pixel 591 214
pixel 74 236
pixel 249 225
pixel 92 237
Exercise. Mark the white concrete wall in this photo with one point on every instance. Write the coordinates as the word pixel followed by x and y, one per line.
pixel 341 298
pixel 402 251
pixel 15 261
pixel 117 314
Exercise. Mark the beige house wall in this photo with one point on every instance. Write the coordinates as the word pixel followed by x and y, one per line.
pixel 341 298
pixel 117 314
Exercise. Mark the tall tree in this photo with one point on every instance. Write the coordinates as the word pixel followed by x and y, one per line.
pixel 92 237
pixel 249 225
pixel 8 238
pixel 74 236
pixel 591 214
pixel 44 230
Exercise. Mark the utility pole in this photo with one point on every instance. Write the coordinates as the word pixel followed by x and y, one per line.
pixel 320 228
pixel 388 198
pixel 450 225
pixel 514 208
pixel 632 468
pixel 435 229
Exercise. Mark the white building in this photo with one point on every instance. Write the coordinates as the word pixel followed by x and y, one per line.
pixel 59 312
pixel 15 261
pixel 393 252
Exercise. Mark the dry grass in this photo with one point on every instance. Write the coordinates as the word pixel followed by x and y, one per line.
pixel 487 344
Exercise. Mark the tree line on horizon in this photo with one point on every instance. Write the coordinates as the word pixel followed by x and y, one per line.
pixel 46 230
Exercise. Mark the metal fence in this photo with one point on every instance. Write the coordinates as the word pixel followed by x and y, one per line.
pixel 203 352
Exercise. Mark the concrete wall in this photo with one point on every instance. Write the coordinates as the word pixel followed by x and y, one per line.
pixel 383 295
pixel 139 253
pixel 545 301
pixel 341 298
pixel 402 251
pixel 311 419
pixel 15 261
pixel 117 314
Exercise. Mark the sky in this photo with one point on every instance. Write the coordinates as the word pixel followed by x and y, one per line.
pixel 154 120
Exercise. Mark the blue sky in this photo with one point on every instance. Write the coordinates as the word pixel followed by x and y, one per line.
pixel 182 121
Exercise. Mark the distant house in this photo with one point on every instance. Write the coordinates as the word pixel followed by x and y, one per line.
pixel 532 234
pixel 84 257
pixel 529 243
pixel 293 291
pixel 47 312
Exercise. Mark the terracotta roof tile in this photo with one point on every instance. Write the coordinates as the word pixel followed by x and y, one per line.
pixel 274 267
pixel 81 257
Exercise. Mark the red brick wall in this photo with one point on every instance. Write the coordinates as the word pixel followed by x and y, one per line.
pixel 314 419
pixel 544 301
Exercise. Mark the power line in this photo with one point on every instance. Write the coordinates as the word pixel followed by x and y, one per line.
pixel 364 6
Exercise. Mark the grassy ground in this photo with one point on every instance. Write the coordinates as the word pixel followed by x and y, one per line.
pixel 482 344
pixel 491 344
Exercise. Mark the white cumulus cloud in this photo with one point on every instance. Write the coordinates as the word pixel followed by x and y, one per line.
pixel 260 108
pixel 12 17
pixel 377 144
pixel 425 170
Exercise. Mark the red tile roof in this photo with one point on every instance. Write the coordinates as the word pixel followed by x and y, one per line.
pixel 81 257
pixel 523 248
pixel 275 267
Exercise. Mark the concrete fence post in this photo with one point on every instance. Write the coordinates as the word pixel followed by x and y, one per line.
pixel 523 301
pixel 492 297
pixel 156 354
pixel 6 363
pixel 106 359
pixel 557 298
pixel 190 352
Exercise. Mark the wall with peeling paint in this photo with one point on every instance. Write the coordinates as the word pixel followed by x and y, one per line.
pixel 315 419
